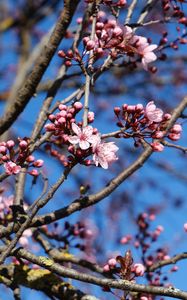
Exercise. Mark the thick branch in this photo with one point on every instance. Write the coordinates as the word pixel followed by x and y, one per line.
pixel 29 88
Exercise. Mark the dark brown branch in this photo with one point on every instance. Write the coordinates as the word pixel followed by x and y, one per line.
pixel 41 64
pixel 168 261
pixel 104 282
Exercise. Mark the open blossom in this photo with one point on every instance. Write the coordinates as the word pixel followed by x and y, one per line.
pixel 153 113
pixel 83 137
pixel 104 153
pixel 11 168
pixel 145 50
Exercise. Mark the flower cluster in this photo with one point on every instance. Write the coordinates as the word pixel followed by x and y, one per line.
pixel 103 153
pixel 82 141
pixel 13 159
pixel 146 122
pixel 120 40
pixel 116 40
pixel 127 270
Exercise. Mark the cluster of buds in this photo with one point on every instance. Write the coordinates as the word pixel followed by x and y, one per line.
pixel 146 122
pixel 127 270
pixel 119 40
pixel 14 159
pixel 116 40
pixel 175 10
pixel 119 3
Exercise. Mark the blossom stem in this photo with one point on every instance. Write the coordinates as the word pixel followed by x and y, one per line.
pixel 89 72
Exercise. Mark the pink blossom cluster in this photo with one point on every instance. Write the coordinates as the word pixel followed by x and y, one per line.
pixel 82 141
pixel 116 40
pixel 119 39
pixel 143 123
pixel 137 269
pixel 14 158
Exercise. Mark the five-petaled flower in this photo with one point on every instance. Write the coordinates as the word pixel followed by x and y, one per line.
pixel 83 137
pixel 153 113
pixel 104 153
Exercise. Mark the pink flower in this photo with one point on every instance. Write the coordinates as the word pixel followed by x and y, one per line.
pixel 145 50
pixel 148 55
pixel 153 113
pixel 112 262
pixel 104 153
pixel 138 269
pixel 83 137
pixel 11 168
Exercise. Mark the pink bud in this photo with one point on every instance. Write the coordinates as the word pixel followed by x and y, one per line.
pixel 79 20
pixel 112 262
pixel 139 107
pixel 49 127
pixel 174 137
pixel 10 144
pixel 62 107
pixel 138 269
pixel 131 108
pixel 158 135
pixel 117 31
pixel 85 40
pixel 177 128
pixel 90 45
pixel 167 116
pixel 23 145
pixel 174 268
pixel 99 25
pixel 61 120
pixel 51 117
pixel 106 268
pixel 3 150
pixel 91 116
pixel 157 147
pixel 117 110
pixel 34 172
pixel 38 163
pixel 61 54
pixel 30 158
pixel 78 106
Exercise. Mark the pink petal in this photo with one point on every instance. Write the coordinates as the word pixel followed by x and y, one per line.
pixel 150 48
pixel 73 139
pixel 149 57
pixel 88 130
pixel 84 145
pixel 76 129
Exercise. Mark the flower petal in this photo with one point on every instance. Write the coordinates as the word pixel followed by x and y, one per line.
pixel 76 129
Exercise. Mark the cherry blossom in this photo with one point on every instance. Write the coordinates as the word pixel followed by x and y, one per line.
pixel 153 113
pixel 83 137
pixel 104 153
pixel 11 168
